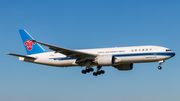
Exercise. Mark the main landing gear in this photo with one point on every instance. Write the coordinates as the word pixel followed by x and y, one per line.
pixel 87 70
pixel 99 72
pixel 160 63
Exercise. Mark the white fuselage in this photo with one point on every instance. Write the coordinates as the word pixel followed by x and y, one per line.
pixel 123 55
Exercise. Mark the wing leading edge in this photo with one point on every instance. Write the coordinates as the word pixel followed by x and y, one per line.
pixel 67 52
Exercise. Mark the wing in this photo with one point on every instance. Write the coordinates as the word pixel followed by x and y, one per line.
pixel 67 52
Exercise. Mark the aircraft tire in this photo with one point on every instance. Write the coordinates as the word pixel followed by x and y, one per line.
pixel 99 72
pixel 102 71
pixel 87 70
pixel 159 67
pixel 83 71
pixel 95 74
pixel 91 69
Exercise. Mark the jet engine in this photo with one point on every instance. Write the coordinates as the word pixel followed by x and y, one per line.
pixel 124 66
pixel 105 60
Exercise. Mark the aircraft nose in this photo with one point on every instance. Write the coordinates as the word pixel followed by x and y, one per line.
pixel 173 54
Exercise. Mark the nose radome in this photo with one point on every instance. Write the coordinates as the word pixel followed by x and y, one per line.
pixel 173 54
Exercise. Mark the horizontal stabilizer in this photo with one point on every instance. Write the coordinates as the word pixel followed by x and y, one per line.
pixel 21 56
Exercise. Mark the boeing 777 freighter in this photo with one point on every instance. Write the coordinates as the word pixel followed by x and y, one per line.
pixel 121 58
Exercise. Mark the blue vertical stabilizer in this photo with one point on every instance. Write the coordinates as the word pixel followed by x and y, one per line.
pixel 30 46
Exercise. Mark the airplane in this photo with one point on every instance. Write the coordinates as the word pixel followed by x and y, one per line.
pixel 121 58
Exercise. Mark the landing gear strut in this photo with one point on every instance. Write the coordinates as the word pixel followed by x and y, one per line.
pixel 160 63
pixel 88 69
pixel 99 72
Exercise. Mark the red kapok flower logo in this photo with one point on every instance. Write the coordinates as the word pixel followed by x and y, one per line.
pixel 29 44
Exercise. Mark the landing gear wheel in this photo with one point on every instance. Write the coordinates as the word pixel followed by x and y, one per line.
pixel 95 73
pixel 91 69
pixel 83 71
pixel 99 72
pixel 159 67
pixel 87 70
pixel 102 71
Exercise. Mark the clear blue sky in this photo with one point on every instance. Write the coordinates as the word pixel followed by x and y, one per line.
pixel 82 24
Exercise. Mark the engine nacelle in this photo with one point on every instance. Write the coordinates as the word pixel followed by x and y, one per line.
pixel 124 66
pixel 105 60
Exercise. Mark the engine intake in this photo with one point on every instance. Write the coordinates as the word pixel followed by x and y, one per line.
pixel 105 60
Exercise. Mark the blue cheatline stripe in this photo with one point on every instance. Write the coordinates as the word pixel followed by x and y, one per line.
pixel 63 58
pixel 126 55
pixel 145 54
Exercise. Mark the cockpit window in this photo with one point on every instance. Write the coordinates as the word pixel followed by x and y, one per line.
pixel 167 50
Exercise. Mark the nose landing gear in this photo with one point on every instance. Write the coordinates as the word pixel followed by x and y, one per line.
pixel 160 63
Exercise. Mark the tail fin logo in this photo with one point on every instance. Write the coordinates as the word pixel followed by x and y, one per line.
pixel 29 44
